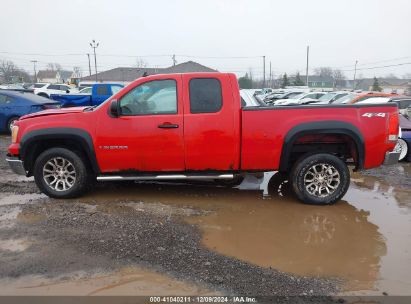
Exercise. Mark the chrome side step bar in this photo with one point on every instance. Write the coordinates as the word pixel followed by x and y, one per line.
pixel 164 177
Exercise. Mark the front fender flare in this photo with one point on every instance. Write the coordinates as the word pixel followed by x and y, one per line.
pixel 79 135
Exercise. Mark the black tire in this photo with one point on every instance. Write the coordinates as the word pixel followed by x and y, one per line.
pixel 10 123
pixel 279 185
pixel 78 164
pixel 336 172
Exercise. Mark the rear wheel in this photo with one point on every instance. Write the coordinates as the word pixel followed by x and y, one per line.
pixel 61 173
pixel 320 179
pixel 402 148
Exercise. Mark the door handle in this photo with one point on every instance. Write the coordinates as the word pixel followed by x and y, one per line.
pixel 167 125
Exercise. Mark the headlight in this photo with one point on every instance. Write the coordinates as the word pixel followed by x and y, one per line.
pixel 14 132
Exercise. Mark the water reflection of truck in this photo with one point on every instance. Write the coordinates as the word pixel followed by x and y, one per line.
pixel 91 96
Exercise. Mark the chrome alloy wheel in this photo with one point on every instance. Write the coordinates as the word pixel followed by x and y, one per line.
pixel 321 180
pixel 402 148
pixel 59 174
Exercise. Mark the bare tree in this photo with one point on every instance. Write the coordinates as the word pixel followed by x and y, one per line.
pixel 11 73
pixel 339 78
pixel 141 63
pixel 324 71
pixel 53 66
pixel 7 69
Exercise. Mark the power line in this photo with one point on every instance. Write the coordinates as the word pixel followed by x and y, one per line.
pixel 378 67
pixel 375 62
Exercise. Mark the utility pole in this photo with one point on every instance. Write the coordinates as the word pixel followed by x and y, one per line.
pixel 35 73
pixel 94 45
pixel 355 74
pixel 89 65
pixel 271 79
pixel 174 60
pixel 263 72
pixel 306 69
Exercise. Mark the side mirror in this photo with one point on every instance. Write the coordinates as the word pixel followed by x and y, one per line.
pixel 114 108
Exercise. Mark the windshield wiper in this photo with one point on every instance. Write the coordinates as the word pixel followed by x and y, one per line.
pixel 88 109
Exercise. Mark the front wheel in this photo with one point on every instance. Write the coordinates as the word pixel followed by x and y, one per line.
pixel 320 179
pixel 61 173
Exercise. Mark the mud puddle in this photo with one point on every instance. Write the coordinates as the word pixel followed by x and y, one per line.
pixel 130 281
pixel 364 239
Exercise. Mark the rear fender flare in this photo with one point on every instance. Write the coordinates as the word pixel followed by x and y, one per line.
pixel 322 127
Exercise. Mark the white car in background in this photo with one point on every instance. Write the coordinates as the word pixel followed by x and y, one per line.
pixel 326 99
pixel 375 100
pixel 52 88
pixel 249 100
pixel 299 99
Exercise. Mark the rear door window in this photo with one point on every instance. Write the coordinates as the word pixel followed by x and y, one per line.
pixel 53 87
pixel 205 95
pixel 102 90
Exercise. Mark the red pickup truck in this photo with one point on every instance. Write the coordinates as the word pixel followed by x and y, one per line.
pixel 193 126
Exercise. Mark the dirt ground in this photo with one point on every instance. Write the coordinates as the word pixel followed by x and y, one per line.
pixel 200 239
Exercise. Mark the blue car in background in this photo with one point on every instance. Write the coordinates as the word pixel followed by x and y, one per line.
pixel 14 104
pixel 404 142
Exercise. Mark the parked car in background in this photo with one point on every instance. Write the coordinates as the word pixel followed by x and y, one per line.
pixel 272 98
pixel 81 87
pixel 16 87
pixel 249 100
pixel 52 88
pixel 326 98
pixel 86 90
pixel 93 96
pixel 299 99
pixel 14 104
pixel 404 139
pixel 403 102
pixel 346 99
pixel 364 96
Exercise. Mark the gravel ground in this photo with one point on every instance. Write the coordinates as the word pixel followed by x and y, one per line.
pixel 83 237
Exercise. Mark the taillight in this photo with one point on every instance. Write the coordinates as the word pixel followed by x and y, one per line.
pixel 393 127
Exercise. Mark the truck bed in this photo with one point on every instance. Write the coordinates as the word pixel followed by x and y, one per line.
pixel 265 130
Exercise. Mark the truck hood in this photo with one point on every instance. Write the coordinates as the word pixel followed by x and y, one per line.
pixel 54 112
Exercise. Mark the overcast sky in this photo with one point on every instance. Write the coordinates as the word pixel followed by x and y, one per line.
pixel 374 32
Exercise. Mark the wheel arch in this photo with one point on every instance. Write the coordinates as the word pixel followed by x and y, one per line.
pixel 37 141
pixel 322 127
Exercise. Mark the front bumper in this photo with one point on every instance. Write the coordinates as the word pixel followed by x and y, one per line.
pixel 16 165
pixel 391 158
